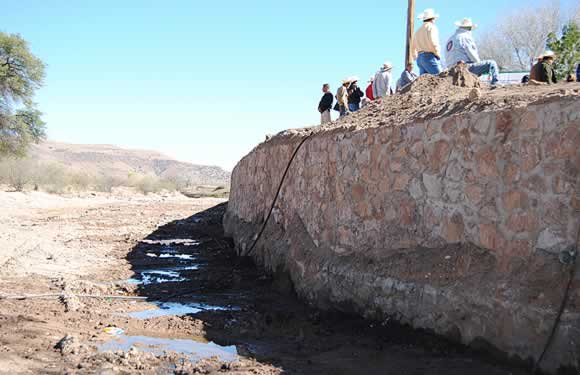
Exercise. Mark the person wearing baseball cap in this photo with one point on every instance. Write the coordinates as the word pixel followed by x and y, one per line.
pixel 461 48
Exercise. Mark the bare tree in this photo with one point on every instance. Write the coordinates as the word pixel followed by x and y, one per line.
pixel 493 45
pixel 574 15
pixel 521 36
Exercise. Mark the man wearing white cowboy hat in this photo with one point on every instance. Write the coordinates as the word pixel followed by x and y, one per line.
pixel 543 70
pixel 461 47
pixel 426 48
pixel 382 81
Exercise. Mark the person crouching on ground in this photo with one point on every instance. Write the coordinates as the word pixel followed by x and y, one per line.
pixel 426 48
pixel 342 97
pixel 325 104
pixel 355 95
pixel 407 76
pixel 382 81
pixel 461 47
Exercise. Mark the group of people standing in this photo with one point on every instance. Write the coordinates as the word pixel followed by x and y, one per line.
pixel 427 52
pixel 351 98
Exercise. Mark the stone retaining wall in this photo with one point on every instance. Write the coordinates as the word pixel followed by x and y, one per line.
pixel 451 224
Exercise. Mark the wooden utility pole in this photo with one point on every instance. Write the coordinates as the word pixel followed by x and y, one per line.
pixel 410 29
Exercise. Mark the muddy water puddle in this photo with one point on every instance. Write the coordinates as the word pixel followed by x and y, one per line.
pixel 160 276
pixel 174 308
pixel 194 349
pixel 174 263
pixel 175 241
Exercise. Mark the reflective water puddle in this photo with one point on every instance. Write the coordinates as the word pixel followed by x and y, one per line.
pixel 176 241
pixel 160 276
pixel 156 277
pixel 170 255
pixel 194 349
pixel 174 308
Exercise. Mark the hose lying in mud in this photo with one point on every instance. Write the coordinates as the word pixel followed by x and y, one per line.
pixel 251 249
pixel 574 255
pixel 259 235
pixel 53 295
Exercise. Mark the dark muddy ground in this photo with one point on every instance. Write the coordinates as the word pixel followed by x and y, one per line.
pixel 238 304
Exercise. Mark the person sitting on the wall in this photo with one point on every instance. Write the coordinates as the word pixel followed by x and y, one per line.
pixel 461 47
pixel 542 72
pixel 407 76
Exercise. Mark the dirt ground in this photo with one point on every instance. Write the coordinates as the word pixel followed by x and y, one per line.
pixel 198 307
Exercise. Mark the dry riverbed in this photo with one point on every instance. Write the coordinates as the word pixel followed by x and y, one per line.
pixel 197 308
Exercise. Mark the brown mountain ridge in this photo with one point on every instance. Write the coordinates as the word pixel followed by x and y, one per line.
pixel 110 160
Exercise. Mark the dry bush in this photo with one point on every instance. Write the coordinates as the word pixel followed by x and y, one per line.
pixel 57 179
pixel 17 173
pixel 52 178
pixel 107 183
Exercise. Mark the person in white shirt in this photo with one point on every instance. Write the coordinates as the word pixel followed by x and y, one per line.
pixel 461 47
pixel 382 81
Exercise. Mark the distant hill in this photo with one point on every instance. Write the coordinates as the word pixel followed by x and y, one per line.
pixel 111 160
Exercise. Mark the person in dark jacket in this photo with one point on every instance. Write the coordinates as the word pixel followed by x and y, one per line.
pixel 578 72
pixel 355 95
pixel 325 104
pixel 546 71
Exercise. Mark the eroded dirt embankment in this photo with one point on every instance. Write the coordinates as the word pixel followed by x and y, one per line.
pixel 446 211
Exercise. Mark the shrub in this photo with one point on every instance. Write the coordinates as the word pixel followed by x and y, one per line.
pixel 17 173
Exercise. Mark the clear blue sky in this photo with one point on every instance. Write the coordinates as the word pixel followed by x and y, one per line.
pixel 204 81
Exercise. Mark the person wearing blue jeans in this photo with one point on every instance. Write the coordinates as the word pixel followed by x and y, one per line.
pixel 461 47
pixel 355 95
pixel 428 63
pixel 426 48
pixel 485 67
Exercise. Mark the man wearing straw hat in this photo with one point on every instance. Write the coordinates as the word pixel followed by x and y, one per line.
pixel 461 47
pixel 382 81
pixel 426 48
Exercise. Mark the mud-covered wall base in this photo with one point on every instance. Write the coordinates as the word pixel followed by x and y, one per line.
pixel 455 291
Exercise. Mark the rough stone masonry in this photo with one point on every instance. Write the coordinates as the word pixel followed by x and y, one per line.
pixel 453 223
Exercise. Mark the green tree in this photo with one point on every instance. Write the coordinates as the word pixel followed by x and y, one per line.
pixel 567 49
pixel 21 74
